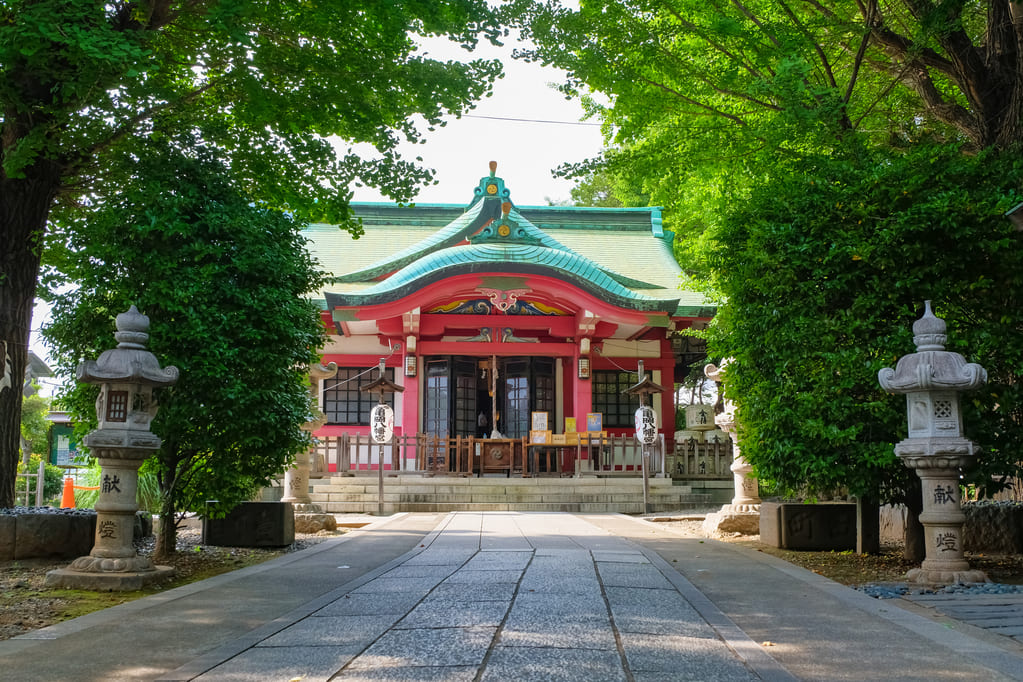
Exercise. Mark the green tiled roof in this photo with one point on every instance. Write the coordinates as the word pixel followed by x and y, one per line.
pixel 623 253
pixel 517 258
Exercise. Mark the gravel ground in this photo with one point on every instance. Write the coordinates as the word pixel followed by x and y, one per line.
pixel 26 604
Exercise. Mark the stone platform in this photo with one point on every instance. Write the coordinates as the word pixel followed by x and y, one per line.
pixel 417 493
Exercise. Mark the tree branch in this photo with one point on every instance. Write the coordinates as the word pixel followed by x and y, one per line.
pixel 748 67
pixel 127 126
pixel 696 103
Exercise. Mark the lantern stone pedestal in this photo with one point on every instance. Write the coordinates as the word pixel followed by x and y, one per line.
pixel 932 379
pixel 125 408
pixel 309 517
pixel 742 515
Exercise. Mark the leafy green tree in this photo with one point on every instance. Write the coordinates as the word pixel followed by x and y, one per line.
pixel 266 84
pixel 797 149
pixel 224 284
pixel 35 427
pixel 709 96
pixel 825 268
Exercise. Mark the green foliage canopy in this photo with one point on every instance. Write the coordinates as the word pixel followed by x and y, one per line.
pixel 825 269
pixel 269 85
pixel 706 96
pixel 223 283
pixel 796 148
pixel 35 427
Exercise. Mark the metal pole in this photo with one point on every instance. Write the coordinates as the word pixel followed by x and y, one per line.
pixel 646 479
pixel 380 462
pixel 380 481
pixel 40 482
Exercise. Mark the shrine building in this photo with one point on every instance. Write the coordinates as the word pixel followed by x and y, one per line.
pixel 501 323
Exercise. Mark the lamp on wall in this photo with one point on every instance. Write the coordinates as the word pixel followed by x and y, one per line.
pixel 410 365
pixel 584 368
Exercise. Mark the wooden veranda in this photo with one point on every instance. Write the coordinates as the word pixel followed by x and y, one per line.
pixel 432 455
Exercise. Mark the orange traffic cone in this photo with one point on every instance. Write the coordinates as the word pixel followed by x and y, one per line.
pixel 67 499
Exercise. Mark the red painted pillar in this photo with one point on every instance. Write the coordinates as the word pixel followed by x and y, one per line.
pixel 410 405
pixel 582 393
pixel 666 365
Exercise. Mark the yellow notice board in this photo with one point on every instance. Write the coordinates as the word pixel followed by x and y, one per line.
pixel 569 424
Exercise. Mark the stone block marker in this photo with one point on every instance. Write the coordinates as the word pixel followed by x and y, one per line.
pixel 252 524
pixel 794 525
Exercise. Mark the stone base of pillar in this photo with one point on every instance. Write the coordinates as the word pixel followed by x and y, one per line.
pixel 304 507
pixel 925 576
pixel 71 579
pixel 734 518
pixel 314 522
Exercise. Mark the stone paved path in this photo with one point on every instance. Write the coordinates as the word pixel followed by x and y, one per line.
pixel 999 613
pixel 514 596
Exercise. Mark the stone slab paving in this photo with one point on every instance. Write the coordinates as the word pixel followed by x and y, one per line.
pixel 1000 613
pixel 499 596
pixel 814 627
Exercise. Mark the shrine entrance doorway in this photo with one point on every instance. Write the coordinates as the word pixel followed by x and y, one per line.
pixel 460 395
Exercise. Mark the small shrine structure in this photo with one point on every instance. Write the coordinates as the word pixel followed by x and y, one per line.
pixel 502 323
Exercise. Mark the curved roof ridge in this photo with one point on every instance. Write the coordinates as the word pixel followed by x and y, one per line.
pixel 510 257
pixel 455 231
pixel 525 232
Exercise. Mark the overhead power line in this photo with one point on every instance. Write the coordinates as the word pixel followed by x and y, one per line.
pixel 532 120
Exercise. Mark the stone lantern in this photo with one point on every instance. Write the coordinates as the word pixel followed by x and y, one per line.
pixel 743 514
pixel 932 379
pixel 125 408
pixel 309 517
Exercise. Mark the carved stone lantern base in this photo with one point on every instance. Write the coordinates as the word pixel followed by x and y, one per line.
pixel 733 520
pixel 131 575
pixel 313 521
pixel 743 514
pixel 925 576
pixel 937 462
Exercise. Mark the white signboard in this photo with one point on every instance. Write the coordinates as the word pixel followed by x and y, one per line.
pixel 646 425
pixel 381 423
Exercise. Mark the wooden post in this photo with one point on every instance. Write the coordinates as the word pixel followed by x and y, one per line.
pixel 40 481
pixel 380 479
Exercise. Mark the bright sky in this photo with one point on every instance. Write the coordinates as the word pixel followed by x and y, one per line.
pixel 526 126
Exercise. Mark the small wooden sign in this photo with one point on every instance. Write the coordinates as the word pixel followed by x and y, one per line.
pixel 539 436
pixel 381 423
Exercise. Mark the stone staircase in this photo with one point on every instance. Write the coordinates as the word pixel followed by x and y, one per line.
pixel 417 493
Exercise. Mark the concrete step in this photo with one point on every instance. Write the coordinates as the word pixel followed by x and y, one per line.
pixel 505 499
pixel 442 493
pixel 634 507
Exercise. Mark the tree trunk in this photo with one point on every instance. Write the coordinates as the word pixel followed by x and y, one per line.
pixel 913 534
pixel 167 535
pixel 24 207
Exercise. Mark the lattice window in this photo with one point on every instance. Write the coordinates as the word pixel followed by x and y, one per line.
pixel 942 409
pixel 117 406
pixel 609 398
pixel 436 398
pixel 345 403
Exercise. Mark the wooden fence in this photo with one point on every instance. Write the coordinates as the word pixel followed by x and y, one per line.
pixel 27 491
pixel 622 455
pixel 695 460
